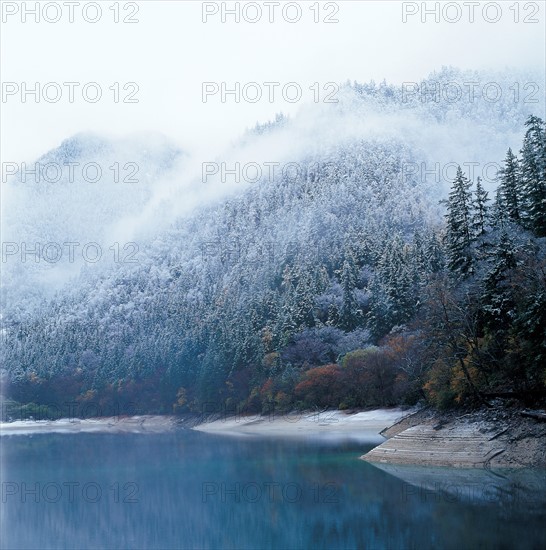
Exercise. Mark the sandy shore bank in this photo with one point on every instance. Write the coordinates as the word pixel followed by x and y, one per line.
pixel 113 424
pixel 358 426
pixel 361 426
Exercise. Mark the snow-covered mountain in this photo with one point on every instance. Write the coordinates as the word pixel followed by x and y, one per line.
pixel 229 268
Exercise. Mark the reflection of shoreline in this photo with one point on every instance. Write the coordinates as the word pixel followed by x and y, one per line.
pixel 435 484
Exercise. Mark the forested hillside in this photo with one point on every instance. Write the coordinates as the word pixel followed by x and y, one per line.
pixel 357 280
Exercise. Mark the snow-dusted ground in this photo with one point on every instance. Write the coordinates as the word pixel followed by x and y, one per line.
pixel 362 426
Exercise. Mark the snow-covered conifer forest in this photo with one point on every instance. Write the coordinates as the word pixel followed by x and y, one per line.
pixel 397 253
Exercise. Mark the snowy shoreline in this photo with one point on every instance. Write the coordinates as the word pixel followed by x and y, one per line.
pixel 364 425
pixel 360 426
pixel 111 424
pixel 485 439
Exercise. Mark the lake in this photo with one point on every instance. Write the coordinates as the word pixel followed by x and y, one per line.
pixel 187 489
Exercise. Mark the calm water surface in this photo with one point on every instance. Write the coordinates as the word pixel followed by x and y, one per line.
pixel 196 490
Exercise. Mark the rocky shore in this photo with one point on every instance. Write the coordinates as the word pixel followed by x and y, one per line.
pixel 493 438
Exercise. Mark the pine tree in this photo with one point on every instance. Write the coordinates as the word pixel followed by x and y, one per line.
pixel 533 169
pixel 434 253
pixel 510 187
pixel 349 308
pixel 380 312
pixel 480 210
pixel 498 211
pixel 496 295
pixel 459 225
pixel 393 290
pixel 397 274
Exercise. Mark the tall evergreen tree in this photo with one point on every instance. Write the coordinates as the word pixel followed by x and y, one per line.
pixel 349 308
pixel 393 291
pixel 496 297
pixel 498 215
pixel 459 225
pixel 479 219
pixel 510 187
pixel 380 312
pixel 435 253
pixel 533 169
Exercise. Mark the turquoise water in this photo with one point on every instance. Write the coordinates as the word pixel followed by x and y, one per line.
pixel 196 490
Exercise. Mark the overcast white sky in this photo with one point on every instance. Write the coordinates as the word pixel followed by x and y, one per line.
pixel 170 52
